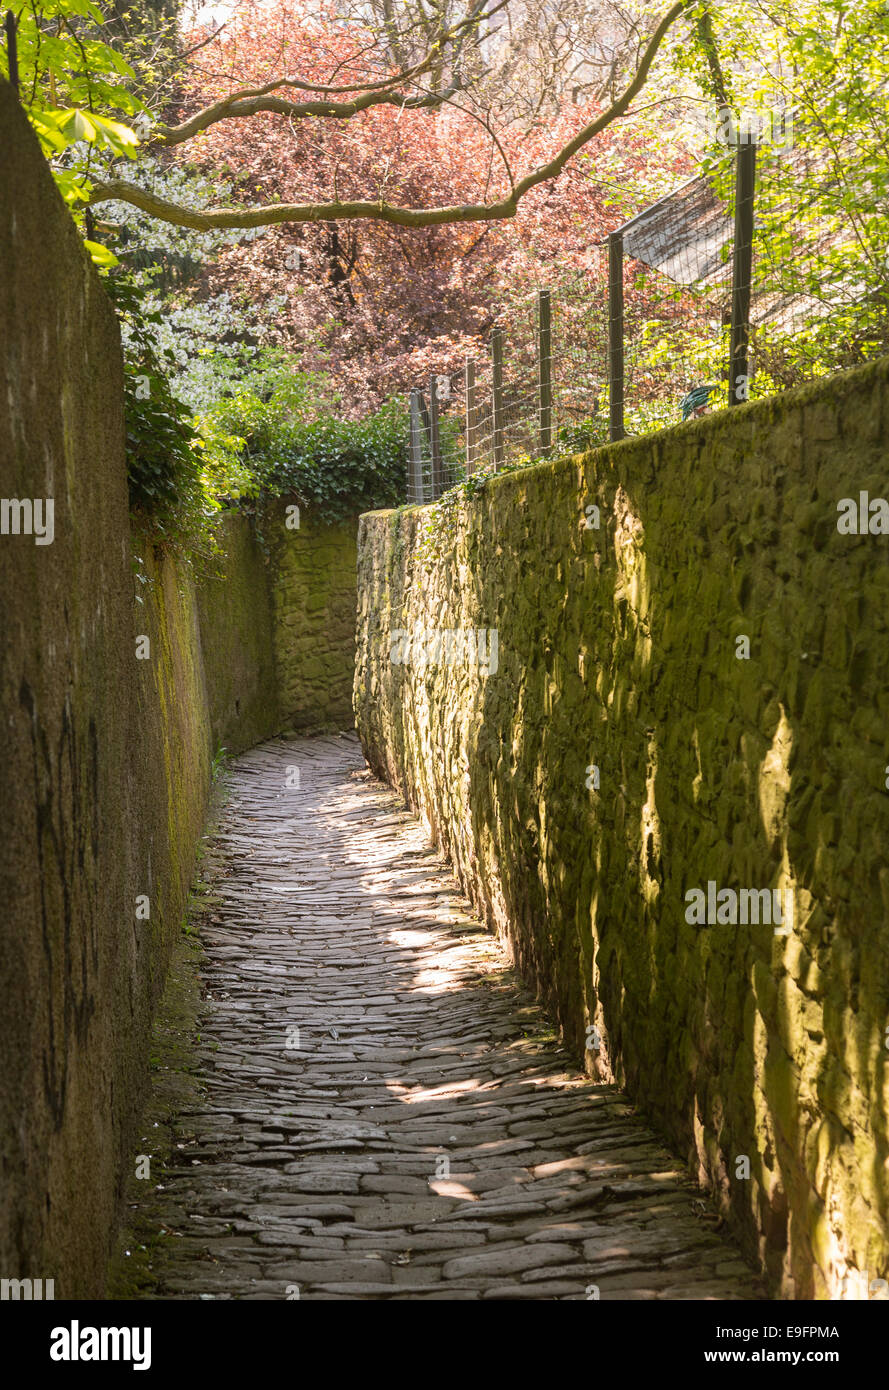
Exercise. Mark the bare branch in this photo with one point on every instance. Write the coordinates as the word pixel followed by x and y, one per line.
pixel 381 211
pixel 408 74
pixel 203 44
pixel 252 101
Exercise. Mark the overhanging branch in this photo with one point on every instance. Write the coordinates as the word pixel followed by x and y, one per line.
pixel 271 214
pixel 252 103
pixel 386 92
pixel 275 213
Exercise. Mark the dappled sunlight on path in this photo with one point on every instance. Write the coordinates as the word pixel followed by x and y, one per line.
pixel 383 1111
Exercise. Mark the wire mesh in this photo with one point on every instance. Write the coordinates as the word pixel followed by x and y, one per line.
pixel 661 342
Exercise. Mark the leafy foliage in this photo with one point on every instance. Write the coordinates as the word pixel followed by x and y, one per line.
pixel 276 435
pixel 360 311
pixel 577 437
pixel 163 455
pixel 379 307
pixel 75 89
pixel 821 244
pixel 289 443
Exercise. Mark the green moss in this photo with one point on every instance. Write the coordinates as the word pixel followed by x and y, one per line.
pixel 617 648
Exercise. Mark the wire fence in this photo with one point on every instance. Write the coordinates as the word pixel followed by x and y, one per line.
pixel 728 289
pixel 541 386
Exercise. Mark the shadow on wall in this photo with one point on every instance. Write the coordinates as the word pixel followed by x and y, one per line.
pixel 112 709
pixel 688 703
pixel 748 1020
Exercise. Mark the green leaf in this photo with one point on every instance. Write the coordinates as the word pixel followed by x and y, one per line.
pixel 80 126
pixel 101 255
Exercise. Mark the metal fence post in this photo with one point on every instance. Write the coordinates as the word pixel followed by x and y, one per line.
pixel 742 271
pixel 415 463
pixel 471 416
pixel 497 372
pixel 616 335
pixel 545 369
pixel 435 439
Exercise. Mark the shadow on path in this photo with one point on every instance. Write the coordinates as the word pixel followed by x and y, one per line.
pixel 379 1110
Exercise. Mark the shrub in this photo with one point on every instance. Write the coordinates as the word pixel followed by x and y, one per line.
pixel 163 452
pixel 333 467
pixel 276 435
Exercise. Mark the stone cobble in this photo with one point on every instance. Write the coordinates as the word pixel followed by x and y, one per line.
pixel 422 1135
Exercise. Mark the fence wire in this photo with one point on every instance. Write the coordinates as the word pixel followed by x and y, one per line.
pixel 543 382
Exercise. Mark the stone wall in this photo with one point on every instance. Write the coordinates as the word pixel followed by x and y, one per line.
pixel 691 692
pixel 314 589
pixel 106 756
pixel 237 641
pixel 115 691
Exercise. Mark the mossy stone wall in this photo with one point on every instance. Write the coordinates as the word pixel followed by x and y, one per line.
pixel 106 756
pixel 237 640
pixel 628 750
pixel 119 679
pixel 314 595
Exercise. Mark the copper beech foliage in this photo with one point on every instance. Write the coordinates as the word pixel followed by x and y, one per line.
pixel 382 304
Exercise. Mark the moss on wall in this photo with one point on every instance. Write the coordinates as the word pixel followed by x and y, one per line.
pixel 117 681
pixel 106 757
pixel 314 587
pixel 114 689
pixel 237 641
pixel 68 944
pixel 620 665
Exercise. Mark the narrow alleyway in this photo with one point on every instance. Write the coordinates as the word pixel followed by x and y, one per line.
pixel 382 1111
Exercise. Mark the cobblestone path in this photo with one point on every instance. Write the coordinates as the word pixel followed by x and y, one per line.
pixel 426 1138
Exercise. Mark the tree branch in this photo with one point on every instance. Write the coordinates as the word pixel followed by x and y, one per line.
pixel 120 190
pixel 407 74
pixel 707 41
pixel 251 101
pixel 180 57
